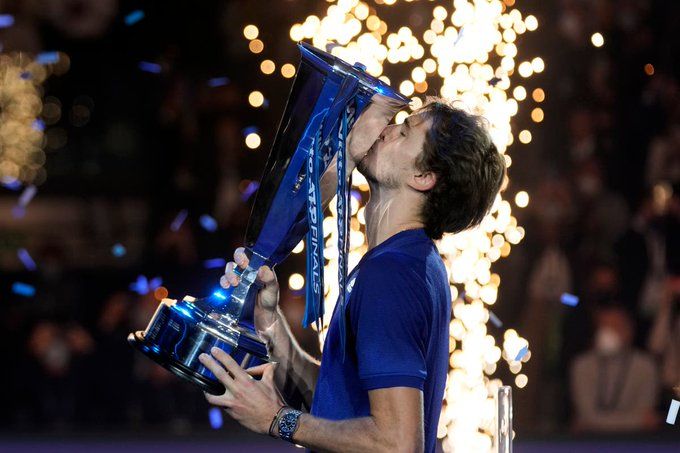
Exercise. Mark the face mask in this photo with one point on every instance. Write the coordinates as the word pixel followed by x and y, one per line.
pixel 607 341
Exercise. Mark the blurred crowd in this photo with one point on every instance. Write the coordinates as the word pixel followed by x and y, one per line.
pixel 602 223
pixel 605 225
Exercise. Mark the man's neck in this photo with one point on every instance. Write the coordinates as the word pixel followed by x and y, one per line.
pixel 388 212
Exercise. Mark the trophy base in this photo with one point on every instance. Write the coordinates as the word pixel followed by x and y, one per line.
pixel 137 341
pixel 179 332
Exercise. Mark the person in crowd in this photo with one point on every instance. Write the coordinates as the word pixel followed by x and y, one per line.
pixel 614 386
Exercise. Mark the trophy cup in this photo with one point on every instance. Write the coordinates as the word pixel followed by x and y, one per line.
pixel 325 103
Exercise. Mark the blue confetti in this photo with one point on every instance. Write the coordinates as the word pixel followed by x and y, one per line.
pixel 494 320
pixel 208 223
pixel 215 416
pixel 11 184
pixel 25 258
pixel 569 299
pixel 6 20
pixel 148 66
pixel 118 250
pixel 18 212
pixel 250 190
pixel 265 103
pixel 356 195
pixel 460 36
pixel 249 130
pixel 143 286
pixel 673 412
pixel 38 125
pixel 47 57
pixel 23 289
pixel 214 263
pixel 218 82
pixel 179 220
pixel 27 195
pixel 522 352
pixel 25 75
pixel 134 17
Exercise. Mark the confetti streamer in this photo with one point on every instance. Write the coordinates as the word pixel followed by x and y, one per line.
pixel 143 286
pixel 38 125
pixel 148 66
pixel 218 82
pixel 25 258
pixel 673 412
pixel 522 352
pixel 27 195
pixel 494 320
pixel 134 17
pixel 460 36
pixel 569 299
pixel 18 212
pixel 250 130
pixel 214 263
pixel 208 223
pixel 23 289
pixel 11 184
pixel 47 57
pixel 179 220
pixel 250 190
pixel 118 250
pixel 6 20
pixel 215 416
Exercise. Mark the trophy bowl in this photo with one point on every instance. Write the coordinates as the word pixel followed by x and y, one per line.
pixel 326 100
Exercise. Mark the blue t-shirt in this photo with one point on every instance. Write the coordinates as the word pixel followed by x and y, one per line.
pixel 397 319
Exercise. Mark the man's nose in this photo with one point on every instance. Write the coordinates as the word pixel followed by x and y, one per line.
pixel 386 133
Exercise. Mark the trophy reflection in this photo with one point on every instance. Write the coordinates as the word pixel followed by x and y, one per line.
pixel 326 102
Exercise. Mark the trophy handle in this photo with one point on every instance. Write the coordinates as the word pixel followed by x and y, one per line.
pixel 238 303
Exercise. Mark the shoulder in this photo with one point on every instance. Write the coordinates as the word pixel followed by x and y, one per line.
pixel 392 272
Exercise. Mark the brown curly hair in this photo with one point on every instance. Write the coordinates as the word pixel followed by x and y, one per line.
pixel 469 169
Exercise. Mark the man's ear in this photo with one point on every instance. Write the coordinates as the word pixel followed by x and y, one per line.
pixel 423 181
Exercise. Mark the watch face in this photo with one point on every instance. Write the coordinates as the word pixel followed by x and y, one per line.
pixel 288 422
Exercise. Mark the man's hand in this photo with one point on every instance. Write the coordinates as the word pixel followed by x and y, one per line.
pixel 373 120
pixel 267 297
pixel 250 402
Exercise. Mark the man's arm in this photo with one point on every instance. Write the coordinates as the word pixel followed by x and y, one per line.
pixel 395 422
pixel 296 370
pixel 395 425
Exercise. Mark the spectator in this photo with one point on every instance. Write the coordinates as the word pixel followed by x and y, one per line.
pixel 664 339
pixel 614 386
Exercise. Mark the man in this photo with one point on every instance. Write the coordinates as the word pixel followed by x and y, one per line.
pixel 437 172
pixel 614 386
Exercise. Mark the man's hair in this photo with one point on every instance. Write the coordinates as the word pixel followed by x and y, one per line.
pixel 469 170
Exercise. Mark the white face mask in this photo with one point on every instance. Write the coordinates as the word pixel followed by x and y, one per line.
pixel 607 341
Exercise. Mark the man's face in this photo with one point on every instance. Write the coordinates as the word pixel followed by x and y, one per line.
pixel 391 160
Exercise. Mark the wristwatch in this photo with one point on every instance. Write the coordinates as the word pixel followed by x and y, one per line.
pixel 288 423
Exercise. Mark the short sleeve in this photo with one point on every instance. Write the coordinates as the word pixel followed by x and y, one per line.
pixel 389 317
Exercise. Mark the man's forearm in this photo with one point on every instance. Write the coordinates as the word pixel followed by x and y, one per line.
pixel 352 435
pixel 296 369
